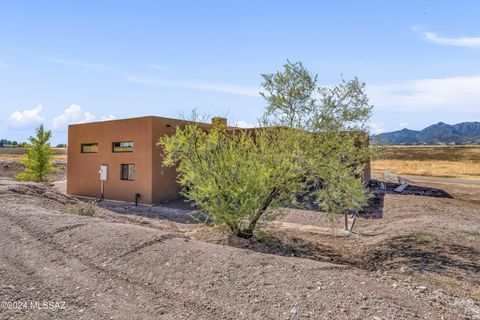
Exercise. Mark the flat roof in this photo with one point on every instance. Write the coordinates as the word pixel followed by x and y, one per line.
pixel 135 118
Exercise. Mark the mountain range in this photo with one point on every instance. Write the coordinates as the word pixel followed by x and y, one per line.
pixel 439 133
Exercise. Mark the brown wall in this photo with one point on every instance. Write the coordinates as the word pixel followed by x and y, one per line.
pixel 153 181
pixel 83 168
pixel 164 179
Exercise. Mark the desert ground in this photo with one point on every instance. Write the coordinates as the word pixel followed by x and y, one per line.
pixel 413 255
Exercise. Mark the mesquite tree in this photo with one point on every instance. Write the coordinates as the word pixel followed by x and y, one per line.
pixel 338 117
pixel 290 96
pixel 305 148
pixel 234 175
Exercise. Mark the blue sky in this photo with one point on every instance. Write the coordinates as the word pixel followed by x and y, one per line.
pixel 65 62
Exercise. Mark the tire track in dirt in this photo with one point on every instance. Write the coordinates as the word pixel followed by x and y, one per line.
pixel 21 241
pixel 47 239
pixel 229 283
pixel 149 243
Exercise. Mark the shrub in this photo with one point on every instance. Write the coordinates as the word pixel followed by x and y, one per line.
pixel 82 209
pixel 307 147
pixel 38 161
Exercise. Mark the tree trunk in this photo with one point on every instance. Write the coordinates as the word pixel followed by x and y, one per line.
pixel 247 233
pixel 346 221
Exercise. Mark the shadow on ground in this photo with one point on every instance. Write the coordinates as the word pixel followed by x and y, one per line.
pixel 178 211
pixel 418 251
pixel 379 189
pixel 181 211
pixel 425 252
pixel 421 252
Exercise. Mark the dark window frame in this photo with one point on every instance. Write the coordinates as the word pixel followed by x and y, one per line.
pixel 88 144
pixel 129 174
pixel 122 151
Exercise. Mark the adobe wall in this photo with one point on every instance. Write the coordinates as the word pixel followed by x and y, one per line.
pixel 83 168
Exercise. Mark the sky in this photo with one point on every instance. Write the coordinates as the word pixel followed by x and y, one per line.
pixel 64 62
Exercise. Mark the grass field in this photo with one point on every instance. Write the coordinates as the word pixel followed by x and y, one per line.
pixel 58 153
pixel 435 161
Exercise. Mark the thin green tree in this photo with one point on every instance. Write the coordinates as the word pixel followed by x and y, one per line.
pixel 38 161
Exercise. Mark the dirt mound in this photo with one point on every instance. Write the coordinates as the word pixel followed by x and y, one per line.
pixel 41 190
pixel 426 252
pixel 102 270
pixel 418 260
pixel 10 167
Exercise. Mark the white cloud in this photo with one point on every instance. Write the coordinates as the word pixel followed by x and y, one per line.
pixel 437 39
pixel 26 118
pixel 159 67
pixel 444 94
pixel 29 118
pixel 459 42
pixel 107 117
pixel 74 115
pixel 244 124
pixel 403 125
pixel 376 128
pixel 208 86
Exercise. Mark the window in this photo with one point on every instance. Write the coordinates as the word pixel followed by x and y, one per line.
pixel 128 172
pixel 89 148
pixel 122 146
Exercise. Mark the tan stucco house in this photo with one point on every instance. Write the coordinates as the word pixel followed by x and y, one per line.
pixel 120 160
pixel 128 149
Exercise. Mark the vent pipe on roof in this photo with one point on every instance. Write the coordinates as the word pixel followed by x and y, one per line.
pixel 219 122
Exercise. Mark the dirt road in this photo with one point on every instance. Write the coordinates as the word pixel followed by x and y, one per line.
pixel 102 269
pixel 442 180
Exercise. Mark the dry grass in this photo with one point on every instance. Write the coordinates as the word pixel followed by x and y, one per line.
pixel 450 169
pixel 83 209
pixel 20 156
pixel 437 161
pixel 17 153
pixel 475 234
pixel 445 153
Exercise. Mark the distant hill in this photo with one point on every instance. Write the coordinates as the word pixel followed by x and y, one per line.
pixel 440 133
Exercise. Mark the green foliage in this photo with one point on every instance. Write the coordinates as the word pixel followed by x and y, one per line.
pixel 8 143
pixel 236 176
pixel 83 209
pixel 289 95
pixel 342 107
pixel 338 116
pixel 295 100
pixel 38 161
pixel 311 147
pixel 231 174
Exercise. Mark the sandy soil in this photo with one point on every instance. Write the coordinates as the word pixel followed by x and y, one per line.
pixel 11 166
pixel 414 256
